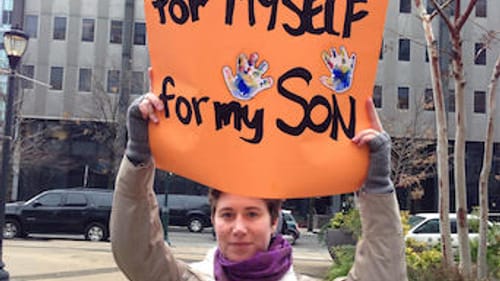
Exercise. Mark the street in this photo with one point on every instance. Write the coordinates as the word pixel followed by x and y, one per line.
pixel 73 259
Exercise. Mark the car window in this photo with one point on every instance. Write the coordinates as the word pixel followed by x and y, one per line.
pixel 453 226
pixel 103 199
pixel 50 200
pixel 76 199
pixel 430 226
pixel 414 220
pixel 289 218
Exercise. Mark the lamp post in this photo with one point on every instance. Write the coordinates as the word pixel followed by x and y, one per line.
pixel 15 42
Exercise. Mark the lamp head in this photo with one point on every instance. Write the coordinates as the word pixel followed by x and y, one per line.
pixel 15 43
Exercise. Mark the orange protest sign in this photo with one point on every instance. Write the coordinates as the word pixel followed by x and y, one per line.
pixel 262 97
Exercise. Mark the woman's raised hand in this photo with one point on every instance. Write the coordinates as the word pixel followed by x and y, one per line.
pixel 366 135
pixel 150 103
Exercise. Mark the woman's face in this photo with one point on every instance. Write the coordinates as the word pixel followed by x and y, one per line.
pixel 243 226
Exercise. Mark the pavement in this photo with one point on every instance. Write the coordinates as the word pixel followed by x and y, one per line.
pixel 69 259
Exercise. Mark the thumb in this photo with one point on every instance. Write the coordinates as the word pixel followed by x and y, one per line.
pixel 151 83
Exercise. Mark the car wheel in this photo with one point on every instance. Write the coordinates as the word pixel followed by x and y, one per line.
pixel 11 229
pixel 95 232
pixel 195 224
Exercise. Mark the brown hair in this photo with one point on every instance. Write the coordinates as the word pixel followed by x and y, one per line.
pixel 273 205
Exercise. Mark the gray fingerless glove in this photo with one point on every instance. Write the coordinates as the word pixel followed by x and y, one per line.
pixel 379 171
pixel 137 149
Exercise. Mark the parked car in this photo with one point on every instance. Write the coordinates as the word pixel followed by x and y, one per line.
pixel 424 227
pixel 291 227
pixel 192 211
pixel 61 211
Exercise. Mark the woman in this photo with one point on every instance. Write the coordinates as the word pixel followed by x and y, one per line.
pixel 247 248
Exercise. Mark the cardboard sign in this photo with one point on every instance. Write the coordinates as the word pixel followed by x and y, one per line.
pixel 262 97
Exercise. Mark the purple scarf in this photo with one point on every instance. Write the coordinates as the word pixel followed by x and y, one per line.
pixel 270 265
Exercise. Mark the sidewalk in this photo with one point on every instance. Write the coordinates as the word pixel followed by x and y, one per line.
pixel 56 260
pixel 78 260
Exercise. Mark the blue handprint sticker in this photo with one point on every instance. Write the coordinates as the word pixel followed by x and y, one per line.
pixel 248 81
pixel 341 67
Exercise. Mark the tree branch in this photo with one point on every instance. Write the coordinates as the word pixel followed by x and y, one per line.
pixel 443 15
pixel 445 4
pixel 463 18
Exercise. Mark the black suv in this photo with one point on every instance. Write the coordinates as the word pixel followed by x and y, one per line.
pixel 64 211
pixel 192 211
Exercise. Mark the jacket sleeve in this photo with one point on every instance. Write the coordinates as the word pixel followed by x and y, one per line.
pixel 380 254
pixel 136 231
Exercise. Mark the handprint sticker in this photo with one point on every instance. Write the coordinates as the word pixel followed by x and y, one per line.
pixel 248 81
pixel 341 67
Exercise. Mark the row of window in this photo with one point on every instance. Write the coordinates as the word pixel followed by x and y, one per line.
pixel 405 7
pixel 59 29
pixel 139 36
pixel 404 52
pixel 428 102
pixel 137 87
pixel 86 80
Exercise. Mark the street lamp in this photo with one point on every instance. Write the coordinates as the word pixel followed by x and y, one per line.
pixel 15 42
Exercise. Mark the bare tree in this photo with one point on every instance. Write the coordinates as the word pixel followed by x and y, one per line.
pixel 442 135
pixel 482 270
pixel 413 156
pixel 455 24
pixel 104 111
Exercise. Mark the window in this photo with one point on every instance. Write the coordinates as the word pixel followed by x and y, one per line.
pixel 59 28
pixel 479 54
pixel 428 100
pixel 8 5
pixel 6 17
pixel 88 30
pixel 430 7
pixel 56 77
pixel 115 33
pixel 413 220
pixel 31 26
pixel 76 200
pixel 377 96
pixel 403 97
pixel 103 199
pixel 405 6
pixel 404 50
pixel 85 80
pixel 49 200
pixel 140 33
pixel 113 81
pixel 431 226
pixel 479 102
pixel 426 55
pixel 137 83
pixel 29 71
pixel 453 226
pixel 451 101
pixel 481 9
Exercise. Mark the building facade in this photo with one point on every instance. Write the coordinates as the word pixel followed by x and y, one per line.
pixel 88 59
pixel 79 46
pixel 403 89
